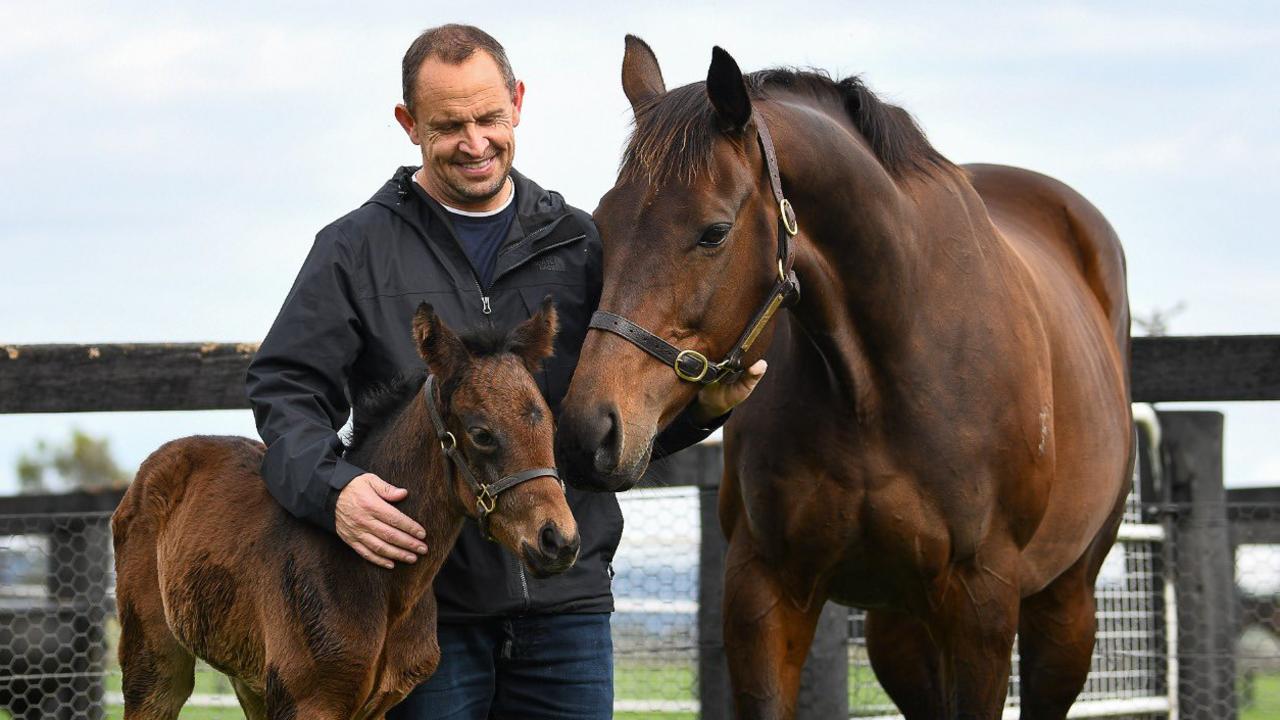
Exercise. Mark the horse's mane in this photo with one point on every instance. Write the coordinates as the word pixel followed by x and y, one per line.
pixel 674 132
pixel 375 408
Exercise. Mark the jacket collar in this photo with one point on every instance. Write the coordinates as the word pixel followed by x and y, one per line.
pixel 535 207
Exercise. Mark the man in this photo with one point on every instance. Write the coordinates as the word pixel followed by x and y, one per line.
pixel 484 245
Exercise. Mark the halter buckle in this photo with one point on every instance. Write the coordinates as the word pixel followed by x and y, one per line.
pixel 788 215
pixel 697 356
pixel 485 502
pixel 448 442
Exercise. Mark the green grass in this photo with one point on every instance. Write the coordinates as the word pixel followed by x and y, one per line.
pixel 1262 702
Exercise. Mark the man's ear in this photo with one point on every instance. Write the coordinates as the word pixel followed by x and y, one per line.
pixel 445 355
pixel 405 118
pixel 535 339
pixel 728 92
pixel 517 100
pixel 641 76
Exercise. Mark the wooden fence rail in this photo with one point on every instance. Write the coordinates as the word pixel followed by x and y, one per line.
pixel 210 376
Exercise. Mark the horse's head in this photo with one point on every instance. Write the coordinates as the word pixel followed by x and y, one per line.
pixel 498 431
pixel 691 254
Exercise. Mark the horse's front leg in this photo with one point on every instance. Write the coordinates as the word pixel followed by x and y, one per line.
pixel 766 634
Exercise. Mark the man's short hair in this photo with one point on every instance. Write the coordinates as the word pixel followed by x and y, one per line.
pixel 451 44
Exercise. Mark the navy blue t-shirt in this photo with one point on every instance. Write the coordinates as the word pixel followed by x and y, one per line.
pixel 482 236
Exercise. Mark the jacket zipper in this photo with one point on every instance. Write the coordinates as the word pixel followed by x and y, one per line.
pixel 524 587
pixel 484 299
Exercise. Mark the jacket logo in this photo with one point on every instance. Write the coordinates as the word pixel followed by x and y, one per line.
pixel 552 263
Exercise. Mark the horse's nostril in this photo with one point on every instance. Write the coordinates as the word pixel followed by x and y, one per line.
pixel 609 451
pixel 550 540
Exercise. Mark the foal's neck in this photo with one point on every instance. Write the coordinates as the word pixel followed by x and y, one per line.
pixel 408 455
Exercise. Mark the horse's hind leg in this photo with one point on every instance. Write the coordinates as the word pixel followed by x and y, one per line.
pixel 766 636
pixel 158 672
pixel 907 663
pixel 975 621
pixel 250 702
pixel 1056 636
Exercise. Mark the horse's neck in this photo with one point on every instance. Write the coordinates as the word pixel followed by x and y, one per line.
pixel 866 256
pixel 408 456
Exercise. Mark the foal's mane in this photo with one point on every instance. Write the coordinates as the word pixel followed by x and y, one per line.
pixel 674 132
pixel 381 404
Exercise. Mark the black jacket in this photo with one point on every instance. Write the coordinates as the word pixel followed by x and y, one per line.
pixel 344 327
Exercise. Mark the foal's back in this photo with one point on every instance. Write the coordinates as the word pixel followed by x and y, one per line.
pixel 204 555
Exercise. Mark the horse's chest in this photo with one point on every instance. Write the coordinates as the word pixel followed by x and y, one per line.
pixel 873 537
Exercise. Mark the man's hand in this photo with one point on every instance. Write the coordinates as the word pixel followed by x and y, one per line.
pixel 717 399
pixel 366 520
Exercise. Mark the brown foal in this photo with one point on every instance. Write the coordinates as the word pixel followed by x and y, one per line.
pixel 208 565
pixel 943 436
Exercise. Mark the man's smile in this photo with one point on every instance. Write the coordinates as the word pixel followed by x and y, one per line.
pixel 475 167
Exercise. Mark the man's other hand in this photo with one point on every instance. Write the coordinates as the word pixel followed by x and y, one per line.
pixel 368 522
pixel 718 398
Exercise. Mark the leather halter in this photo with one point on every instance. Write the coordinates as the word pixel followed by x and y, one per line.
pixel 486 494
pixel 691 365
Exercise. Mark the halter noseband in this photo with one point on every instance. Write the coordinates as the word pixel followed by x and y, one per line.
pixel 486 494
pixel 691 365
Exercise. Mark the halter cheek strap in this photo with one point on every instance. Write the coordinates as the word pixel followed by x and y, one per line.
pixel 486 494
pixel 691 365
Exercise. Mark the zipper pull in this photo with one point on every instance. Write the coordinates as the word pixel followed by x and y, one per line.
pixel 485 299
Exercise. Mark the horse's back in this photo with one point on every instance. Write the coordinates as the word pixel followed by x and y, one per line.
pixel 1028 207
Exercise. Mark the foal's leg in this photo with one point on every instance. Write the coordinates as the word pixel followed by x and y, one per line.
pixel 907 663
pixel 250 702
pixel 158 673
pixel 766 636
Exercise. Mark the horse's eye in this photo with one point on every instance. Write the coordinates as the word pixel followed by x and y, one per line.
pixel 482 438
pixel 714 235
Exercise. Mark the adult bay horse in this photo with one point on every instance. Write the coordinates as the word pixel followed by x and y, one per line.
pixel 943 436
pixel 209 565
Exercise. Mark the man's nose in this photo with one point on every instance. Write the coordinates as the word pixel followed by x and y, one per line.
pixel 474 143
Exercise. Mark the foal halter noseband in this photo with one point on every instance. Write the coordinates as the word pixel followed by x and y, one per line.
pixel 486 494
pixel 691 365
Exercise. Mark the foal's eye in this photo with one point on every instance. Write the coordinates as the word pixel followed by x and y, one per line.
pixel 482 438
pixel 714 235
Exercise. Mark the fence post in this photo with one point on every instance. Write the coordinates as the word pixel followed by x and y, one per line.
pixel 1203 566
pixel 714 693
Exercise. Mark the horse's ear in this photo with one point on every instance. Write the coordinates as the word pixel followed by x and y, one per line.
pixel 535 339
pixel 439 347
pixel 728 91
pixel 641 76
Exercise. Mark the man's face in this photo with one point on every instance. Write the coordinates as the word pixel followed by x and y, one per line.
pixel 464 120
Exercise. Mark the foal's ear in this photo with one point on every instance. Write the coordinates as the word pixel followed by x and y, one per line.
pixel 439 347
pixel 641 76
pixel 535 339
pixel 728 92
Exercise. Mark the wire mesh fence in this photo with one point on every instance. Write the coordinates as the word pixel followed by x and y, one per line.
pixel 58 628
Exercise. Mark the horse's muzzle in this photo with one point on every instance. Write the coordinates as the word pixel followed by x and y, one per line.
pixel 554 554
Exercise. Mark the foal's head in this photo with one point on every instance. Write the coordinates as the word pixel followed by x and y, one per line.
pixel 501 426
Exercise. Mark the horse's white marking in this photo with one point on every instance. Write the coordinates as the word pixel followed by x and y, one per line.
pixel 1044 430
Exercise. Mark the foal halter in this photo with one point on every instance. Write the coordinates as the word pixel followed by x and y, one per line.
pixel 691 365
pixel 486 494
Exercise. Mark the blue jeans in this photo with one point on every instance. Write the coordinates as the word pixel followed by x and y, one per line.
pixel 548 667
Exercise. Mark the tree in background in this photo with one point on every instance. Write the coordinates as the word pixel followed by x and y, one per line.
pixel 82 463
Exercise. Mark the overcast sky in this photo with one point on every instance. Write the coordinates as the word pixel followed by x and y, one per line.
pixel 165 166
